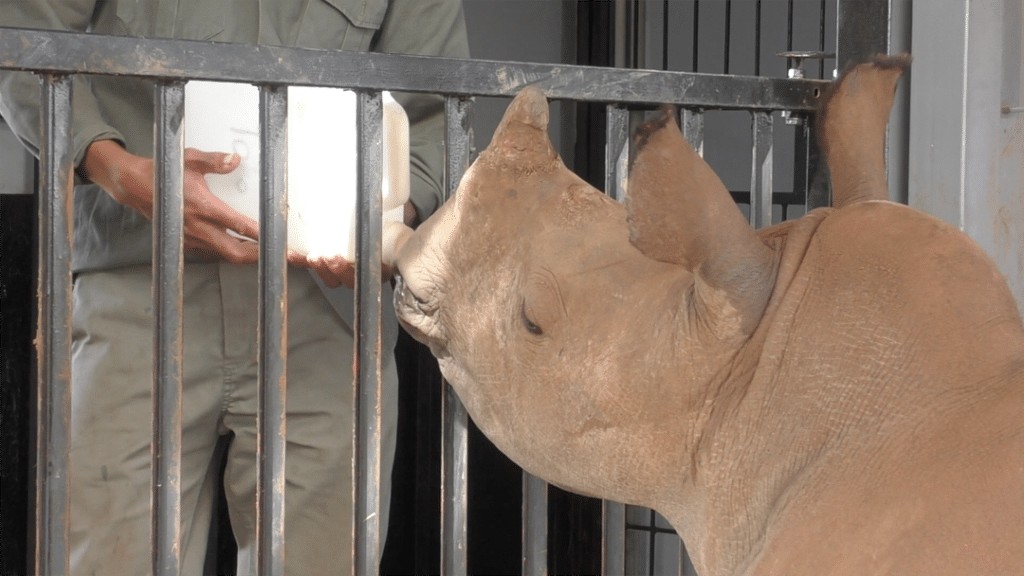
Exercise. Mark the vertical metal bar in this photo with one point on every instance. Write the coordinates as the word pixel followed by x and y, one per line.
pixel 616 151
pixel 168 263
pixel 53 339
pixel 613 542
pixel 273 331
pixel 757 38
pixel 693 128
pixel 862 30
pixel 664 34
pixel 761 170
pixel 695 34
pixel 728 33
pixel 821 38
pixel 455 421
pixel 535 526
pixel 368 343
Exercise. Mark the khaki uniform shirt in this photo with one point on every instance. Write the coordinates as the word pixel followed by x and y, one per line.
pixel 109 235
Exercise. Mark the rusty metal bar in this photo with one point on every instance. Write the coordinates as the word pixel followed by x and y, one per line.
pixel 535 526
pixel 168 266
pixel 454 419
pixel 692 122
pixel 273 331
pixel 368 425
pixel 53 339
pixel 761 171
pixel 93 53
pixel 613 514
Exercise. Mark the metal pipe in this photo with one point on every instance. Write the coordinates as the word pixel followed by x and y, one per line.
pixel 156 58
pixel 368 424
pixel 761 170
pixel 273 331
pixel 168 267
pixel 53 339
pixel 454 419
pixel 613 541
pixel 535 525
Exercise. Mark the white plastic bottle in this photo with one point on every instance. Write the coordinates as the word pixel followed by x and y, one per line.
pixel 322 160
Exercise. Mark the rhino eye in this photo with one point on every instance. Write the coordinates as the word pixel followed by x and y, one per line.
pixel 530 326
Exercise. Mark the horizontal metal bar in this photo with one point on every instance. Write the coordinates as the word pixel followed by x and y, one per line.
pixel 168 263
pixel 273 332
pixel 154 58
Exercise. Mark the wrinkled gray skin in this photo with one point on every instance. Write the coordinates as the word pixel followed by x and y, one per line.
pixel 842 394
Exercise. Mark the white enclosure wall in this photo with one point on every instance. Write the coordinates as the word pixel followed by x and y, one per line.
pixel 966 157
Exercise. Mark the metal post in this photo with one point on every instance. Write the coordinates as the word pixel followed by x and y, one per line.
pixel 368 343
pixel 862 30
pixel 693 129
pixel 53 340
pixel 168 262
pixel 613 514
pixel 761 171
pixel 535 526
pixel 454 419
pixel 273 331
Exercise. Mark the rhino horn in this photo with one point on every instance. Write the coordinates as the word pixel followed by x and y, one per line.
pixel 681 213
pixel 853 119
pixel 521 139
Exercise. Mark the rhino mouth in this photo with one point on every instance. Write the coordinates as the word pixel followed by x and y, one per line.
pixel 418 316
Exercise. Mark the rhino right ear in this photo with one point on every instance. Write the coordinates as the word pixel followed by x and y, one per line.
pixel 680 212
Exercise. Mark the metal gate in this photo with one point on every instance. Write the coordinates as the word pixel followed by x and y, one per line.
pixel 57 56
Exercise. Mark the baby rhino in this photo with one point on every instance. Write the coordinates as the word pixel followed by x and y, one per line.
pixel 841 394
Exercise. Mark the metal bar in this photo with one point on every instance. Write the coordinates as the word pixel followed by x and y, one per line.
pixel 695 34
pixel 613 541
pixel 535 526
pixel 616 152
pixel 728 34
pixel 168 267
pixel 761 170
pixel 53 337
pixel 368 423
pixel 262 64
pixel 693 128
pixel 454 419
pixel 273 331
pixel 862 30
pixel 757 38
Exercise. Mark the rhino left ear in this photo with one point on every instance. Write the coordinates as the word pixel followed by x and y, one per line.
pixel 680 212
pixel 521 138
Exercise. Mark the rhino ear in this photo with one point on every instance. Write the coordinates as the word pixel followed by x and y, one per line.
pixel 853 117
pixel 680 212
pixel 521 139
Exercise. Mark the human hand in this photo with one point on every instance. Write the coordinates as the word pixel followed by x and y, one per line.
pixel 337 271
pixel 129 180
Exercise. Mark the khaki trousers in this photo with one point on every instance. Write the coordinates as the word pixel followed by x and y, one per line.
pixel 112 413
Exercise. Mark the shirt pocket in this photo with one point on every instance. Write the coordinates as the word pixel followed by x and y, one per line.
pixel 142 18
pixel 341 24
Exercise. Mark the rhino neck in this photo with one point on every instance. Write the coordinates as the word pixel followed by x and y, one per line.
pixel 736 476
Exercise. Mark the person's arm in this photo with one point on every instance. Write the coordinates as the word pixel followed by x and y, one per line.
pixel 129 180
pixel 20 91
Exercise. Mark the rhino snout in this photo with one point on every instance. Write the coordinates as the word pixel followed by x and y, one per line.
pixel 417 315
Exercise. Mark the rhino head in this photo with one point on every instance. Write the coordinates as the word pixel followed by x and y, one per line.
pixel 841 394
pixel 560 324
